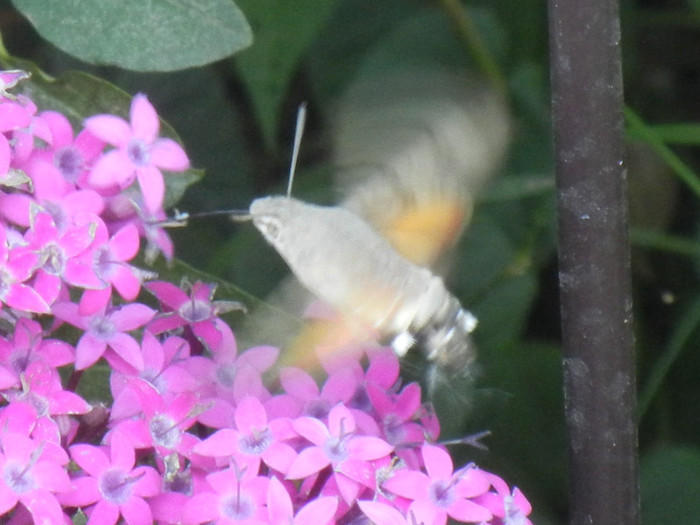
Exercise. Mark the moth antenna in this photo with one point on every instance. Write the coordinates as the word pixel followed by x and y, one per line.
pixel 298 133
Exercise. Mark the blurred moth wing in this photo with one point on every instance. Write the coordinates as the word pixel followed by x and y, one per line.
pixel 412 153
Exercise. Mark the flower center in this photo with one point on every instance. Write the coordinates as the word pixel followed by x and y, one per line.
pixel 102 327
pixel 256 442
pixel 115 486
pixel 103 264
pixel 18 478
pixel 54 259
pixel 138 152
pixel 69 161
pixel 237 507
pixel 226 374
pixel 442 493
pixel 195 310
pixel 164 431
pixel 336 449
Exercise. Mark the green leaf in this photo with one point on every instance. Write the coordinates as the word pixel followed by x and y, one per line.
pixel 79 95
pixel 283 32
pixel 154 35
pixel 670 483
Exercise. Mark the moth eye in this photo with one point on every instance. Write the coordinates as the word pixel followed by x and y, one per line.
pixel 270 227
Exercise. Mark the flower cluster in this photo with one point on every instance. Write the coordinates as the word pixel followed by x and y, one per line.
pixel 195 432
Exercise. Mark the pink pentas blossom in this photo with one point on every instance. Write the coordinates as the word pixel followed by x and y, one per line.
pixel 109 260
pixel 164 366
pixel 198 310
pixel 27 344
pixel 155 420
pixel 253 440
pixel 441 492
pixel 71 158
pixel 338 445
pixel 25 138
pixel 113 485
pixel 509 507
pixel 58 255
pixel 105 329
pixel 32 473
pixel 17 264
pixel 140 153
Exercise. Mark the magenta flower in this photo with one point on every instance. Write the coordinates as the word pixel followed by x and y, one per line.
pixel 254 440
pixel 398 415
pixel 17 265
pixel 512 508
pixel 155 420
pixel 113 486
pixel 140 153
pixel 26 345
pixel 58 255
pixel 236 497
pixel 320 511
pixel 164 366
pixel 106 329
pixel 32 472
pixel 71 158
pixel 338 445
pixel 441 492
pixel 198 310
pixel 109 260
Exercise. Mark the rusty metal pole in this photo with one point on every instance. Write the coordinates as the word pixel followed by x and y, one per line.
pixel 595 284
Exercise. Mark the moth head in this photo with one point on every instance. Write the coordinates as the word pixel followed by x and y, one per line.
pixel 269 215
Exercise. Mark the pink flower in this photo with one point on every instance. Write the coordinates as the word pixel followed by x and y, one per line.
pixel 155 420
pixel 164 366
pixel 106 328
pixel 254 440
pixel 32 472
pixel 511 508
pixel 58 253
pixel 17 265
pixel 71 158
pixel 109 261
pixel 198 310
pixel 112 484
pixel 140 153
pixel 338 445
pixel 441 492
pixel 27 345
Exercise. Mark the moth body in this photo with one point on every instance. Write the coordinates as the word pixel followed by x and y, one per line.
pixel 347 264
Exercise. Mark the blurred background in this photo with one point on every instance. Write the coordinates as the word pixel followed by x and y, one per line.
pixel 236 120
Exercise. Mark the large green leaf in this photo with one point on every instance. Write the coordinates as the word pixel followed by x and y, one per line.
pixel 283 31
pixel 153 35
